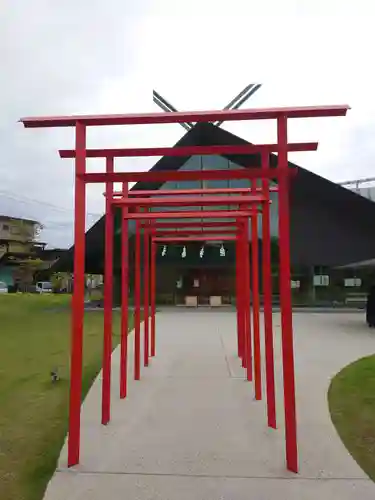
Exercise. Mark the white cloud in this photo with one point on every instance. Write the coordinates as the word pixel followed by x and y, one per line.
pixel 93 56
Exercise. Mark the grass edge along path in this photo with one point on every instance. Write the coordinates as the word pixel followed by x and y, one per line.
pixel 351 400
pixel 35 338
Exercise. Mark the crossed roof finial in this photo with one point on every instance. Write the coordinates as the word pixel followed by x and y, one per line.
pixel 235 103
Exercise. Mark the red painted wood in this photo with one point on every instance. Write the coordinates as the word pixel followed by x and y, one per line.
pixel 286 305
pixel 184 116
pixel 77 301
pixel 267 302
pixel 161 176
pixel 189 150
pixel 124 299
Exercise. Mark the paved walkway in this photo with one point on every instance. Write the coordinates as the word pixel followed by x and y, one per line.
pixel 190 429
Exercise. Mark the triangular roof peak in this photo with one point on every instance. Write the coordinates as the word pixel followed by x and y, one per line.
pixel 337 205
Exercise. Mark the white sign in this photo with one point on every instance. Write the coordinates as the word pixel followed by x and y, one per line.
pixel 295 283
pixel 321 280
pixel 164 251
pixel 201 253
pixel 196 284
pixel 222 251
pixel 352 282
pixel 183 254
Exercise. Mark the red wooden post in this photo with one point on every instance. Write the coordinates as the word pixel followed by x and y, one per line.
pixel 243 294
pixel 108 299
pixel 124 297
pixel 153 293
pixel 246 298
pixel 256 301
pixel 78 301
pixel 137 303
pixel 146 291
pixel 267 300
pixel 239 299
pixel 286 302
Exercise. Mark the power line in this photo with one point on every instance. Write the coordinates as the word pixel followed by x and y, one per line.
pixel 25 199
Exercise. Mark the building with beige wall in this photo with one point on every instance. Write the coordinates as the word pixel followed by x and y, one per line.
pixel 18 241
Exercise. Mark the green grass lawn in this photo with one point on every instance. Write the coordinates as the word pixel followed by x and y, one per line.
pixel 351 399
pixel 34 339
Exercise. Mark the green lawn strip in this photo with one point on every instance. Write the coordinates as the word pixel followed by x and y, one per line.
pixel 35 339
pixel 351 398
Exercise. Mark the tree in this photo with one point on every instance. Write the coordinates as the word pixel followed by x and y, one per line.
pixel 61 281
pixel 24 273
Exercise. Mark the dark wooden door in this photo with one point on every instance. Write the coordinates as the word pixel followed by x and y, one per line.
pixel 207 282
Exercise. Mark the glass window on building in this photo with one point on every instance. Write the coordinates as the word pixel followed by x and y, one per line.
pixel 215 163
pixel 193 163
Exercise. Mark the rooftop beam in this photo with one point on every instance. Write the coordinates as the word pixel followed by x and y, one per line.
pixel 241 98
pixel 186 116
pixel 167 106
pixel 189 150
pixel 190 201
pixel 175 239
pixel 161 176
pixel 176 192
pixel 197 214
pixel 198 224
pixel 196 232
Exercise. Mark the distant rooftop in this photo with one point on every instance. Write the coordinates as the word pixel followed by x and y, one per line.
pixel 9 218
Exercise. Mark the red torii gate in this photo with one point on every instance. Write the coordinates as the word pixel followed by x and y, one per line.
pixel 206 201
pixel 281 174
pixel 246 360
pixel 208 228
pixel 149 202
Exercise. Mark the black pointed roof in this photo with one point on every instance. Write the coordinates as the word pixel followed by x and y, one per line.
pixel 330 225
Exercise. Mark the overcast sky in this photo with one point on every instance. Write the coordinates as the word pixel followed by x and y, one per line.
pixel 91 56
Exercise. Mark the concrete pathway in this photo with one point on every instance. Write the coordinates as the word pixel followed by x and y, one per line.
pixel 190 429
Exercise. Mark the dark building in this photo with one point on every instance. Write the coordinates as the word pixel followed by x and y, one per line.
pixel 330 227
